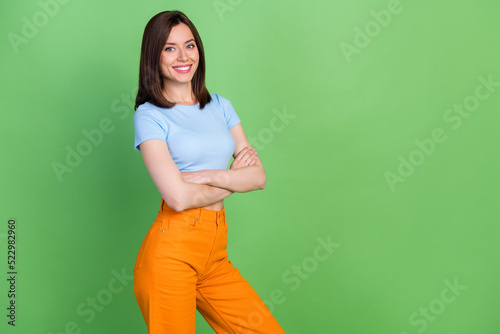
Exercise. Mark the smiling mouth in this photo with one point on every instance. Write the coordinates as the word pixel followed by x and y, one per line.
pixel 183 69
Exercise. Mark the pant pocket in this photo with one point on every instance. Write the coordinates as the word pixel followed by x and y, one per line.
pixel 180 224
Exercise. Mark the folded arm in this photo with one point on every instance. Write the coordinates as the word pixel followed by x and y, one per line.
pixel 240 180
pixel 246 172
pixel 183 190
pixel 177 193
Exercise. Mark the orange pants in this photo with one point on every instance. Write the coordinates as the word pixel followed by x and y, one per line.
pixel 182 266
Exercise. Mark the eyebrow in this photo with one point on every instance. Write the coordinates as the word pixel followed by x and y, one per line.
pixel 184 42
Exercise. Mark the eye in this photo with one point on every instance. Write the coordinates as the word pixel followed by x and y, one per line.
pixel 192 46
pixel 167 49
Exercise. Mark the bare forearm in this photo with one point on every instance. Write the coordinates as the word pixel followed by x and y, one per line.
pixel 240 180
pixel 199 195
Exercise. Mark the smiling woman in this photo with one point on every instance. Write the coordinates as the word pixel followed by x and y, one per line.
pixel 178 62
pixel 167 44
pixel 187 136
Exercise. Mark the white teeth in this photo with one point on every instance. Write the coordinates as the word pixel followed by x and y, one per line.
pixel 182 68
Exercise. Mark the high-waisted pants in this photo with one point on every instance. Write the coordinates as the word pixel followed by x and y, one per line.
pixel 182 266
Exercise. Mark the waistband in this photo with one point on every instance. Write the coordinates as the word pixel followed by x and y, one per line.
pixel 199 213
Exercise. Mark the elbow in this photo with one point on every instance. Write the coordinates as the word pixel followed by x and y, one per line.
pixel 176 196
pixel 175 202
pixel 178 206
pixel 181 197
pixel 263 183
pixel 172 203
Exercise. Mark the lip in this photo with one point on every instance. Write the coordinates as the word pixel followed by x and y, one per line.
pixel 183 72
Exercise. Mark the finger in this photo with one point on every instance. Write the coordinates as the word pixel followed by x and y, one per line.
pixel 249 161
pixel 245 150
pixel 252 156
pixel 243 157
pixel 249 158
pixel 239 156
pixel 251 153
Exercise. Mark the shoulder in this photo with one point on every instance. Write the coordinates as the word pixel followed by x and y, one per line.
pixel 148 116
pixel 219 99
pixel 147 110
pixel 146 107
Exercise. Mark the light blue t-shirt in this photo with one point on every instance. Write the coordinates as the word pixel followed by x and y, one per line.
pixel 196 138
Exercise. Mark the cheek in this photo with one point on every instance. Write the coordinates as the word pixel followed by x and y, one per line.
pixel 166 60
pixel 195 56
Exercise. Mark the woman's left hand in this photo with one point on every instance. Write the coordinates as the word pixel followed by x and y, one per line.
pixel 199 176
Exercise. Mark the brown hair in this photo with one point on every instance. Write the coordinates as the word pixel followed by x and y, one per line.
pixel 153 41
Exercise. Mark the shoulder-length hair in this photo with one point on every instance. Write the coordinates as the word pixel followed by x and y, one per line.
pixel 153 41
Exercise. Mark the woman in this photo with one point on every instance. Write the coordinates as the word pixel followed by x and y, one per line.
pixel 186 136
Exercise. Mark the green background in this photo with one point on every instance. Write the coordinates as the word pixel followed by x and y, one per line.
pixel 355 118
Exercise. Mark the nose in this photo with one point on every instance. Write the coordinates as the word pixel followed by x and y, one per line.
pixel 183 55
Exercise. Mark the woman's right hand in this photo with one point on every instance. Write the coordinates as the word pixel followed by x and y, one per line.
pixel 246 157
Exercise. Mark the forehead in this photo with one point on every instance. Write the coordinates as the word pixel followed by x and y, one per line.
pixel 179 34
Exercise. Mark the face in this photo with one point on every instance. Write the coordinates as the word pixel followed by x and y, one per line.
pixel 179 58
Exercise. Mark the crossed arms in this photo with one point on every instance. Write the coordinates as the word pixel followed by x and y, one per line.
pixel 184 190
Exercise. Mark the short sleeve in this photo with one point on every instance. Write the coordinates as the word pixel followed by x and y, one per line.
pixel 230 114
pixel 147 126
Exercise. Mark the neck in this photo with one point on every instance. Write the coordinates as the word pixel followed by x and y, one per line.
pixel 179 93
